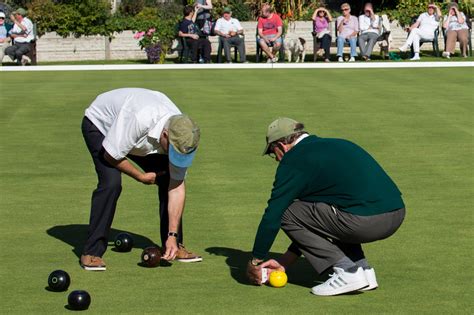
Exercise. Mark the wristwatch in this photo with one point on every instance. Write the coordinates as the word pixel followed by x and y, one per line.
pixel 173 234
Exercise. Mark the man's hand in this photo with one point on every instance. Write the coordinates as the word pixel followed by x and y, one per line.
pixel 148 178
pixel 194 36
pixel 272 265
pixel 171 248
pixel 254 273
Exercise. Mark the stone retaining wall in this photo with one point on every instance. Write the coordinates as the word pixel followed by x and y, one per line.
pixel 52 47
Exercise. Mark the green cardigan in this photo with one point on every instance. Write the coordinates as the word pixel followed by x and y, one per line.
pixel 334 171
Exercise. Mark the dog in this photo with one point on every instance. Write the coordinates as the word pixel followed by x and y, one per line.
pixel 385 37
pixel 295 47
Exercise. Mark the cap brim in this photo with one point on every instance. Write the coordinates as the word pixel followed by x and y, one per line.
pixel 265 152
pixel 179 159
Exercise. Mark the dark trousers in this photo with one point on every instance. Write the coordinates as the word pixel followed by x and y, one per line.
pixel 196 45
pixel 325 234
pixel 17 50
pixel 325 43
pixel 109 187
pixel 235 41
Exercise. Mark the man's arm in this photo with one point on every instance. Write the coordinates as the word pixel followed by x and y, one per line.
pixel 126 167
pixel 280 31
pixel 176 198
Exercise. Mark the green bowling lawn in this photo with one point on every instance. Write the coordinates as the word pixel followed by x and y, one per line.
pixel 418 123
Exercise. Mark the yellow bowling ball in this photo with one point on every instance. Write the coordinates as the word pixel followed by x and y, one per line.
pixel 278 279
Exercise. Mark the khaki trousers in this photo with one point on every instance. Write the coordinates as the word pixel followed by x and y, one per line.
pixel 453 36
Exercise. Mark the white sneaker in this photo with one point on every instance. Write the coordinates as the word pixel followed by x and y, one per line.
pixel 415 58
pixel 352 59
pixel 371 279
pixel 341 282
pixel 340 59
pixel 274 59
pixel 403 48
pixel 446 54
pixel 269 60
pixel 25 60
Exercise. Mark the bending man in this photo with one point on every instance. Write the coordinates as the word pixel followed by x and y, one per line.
pixel 329 196
pixel 147 128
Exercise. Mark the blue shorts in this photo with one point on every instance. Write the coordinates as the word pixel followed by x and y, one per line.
pixel 279 40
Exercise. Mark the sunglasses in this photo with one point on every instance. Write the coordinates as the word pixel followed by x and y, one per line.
pixel 346 9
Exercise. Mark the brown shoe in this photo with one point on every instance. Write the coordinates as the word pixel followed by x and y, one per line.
pixel 184 255
pixel 93 263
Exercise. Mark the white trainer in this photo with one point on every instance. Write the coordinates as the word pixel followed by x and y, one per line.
pixel 371 279
pixel 352 59
pixel 341 282
pixel 340 59
pixel 415 58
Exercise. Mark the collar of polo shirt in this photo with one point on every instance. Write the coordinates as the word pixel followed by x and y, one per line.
pixel 156 131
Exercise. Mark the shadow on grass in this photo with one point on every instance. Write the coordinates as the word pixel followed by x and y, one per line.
pixel 75 235
pixel 301 273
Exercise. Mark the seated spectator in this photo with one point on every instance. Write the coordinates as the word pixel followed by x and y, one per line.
pixel 22 35
pixel 456 30
pixel 369 31
pixel 322 29
pixel 347 30
pixel 423 28
pixel 270 29
pixel 4 38
pixel 230 31
pixel 193 37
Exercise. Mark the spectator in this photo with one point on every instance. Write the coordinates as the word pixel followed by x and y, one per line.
pixel 347 30
pixel 4 39
pixel 22 35
pixel 456 30
pixel 230 31
pixel 369 31
pixel 423 28
pixel 203 17
pixel 322 29
pixel 191 35
pixel 270 29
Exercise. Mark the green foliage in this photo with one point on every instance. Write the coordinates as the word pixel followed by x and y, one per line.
pixel 406 10
pixel 240 10
pixel 66 18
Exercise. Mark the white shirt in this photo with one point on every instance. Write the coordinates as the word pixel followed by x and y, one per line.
pixel 301 138
pixel 454 25
pixel 224 26
pixel 428 23
pixel 132 119
pixel 367 25
pixel 26 22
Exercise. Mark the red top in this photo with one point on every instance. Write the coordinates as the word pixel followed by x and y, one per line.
pixel 269 25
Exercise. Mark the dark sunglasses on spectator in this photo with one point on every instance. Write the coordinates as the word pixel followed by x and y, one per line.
pixel 346 9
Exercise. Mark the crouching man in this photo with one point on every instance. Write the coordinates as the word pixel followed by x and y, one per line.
pixel 329 196
pixel 145 127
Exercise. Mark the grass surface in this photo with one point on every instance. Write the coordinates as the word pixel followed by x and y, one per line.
pixel 418 123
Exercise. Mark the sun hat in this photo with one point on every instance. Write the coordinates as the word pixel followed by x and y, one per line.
pixel 184 137
pixel 281 128
pixel 20 11
pixel 227 10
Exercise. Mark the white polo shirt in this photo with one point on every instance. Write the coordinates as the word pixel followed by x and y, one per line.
pixel 366 25
pixel 224 26
pixel 26 22
pixel 428 23
pixel 132 119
